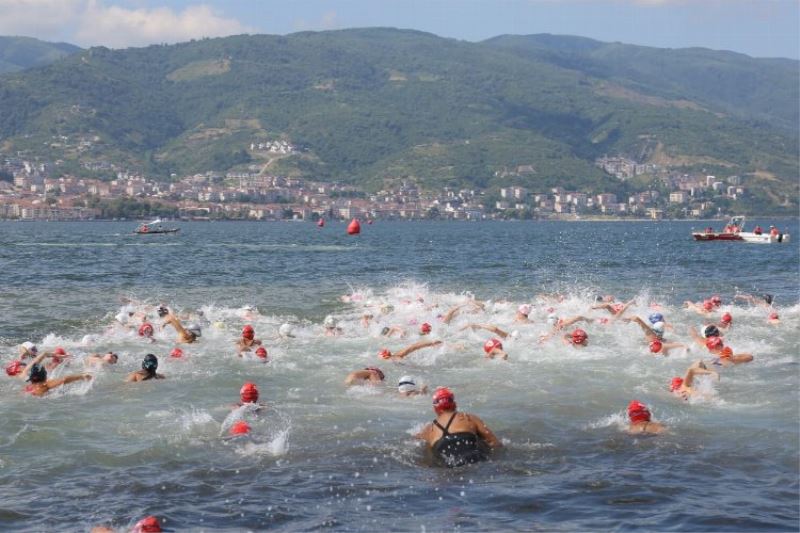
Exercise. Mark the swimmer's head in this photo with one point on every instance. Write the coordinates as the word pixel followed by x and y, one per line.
pixel 261 352
pixel 162 311
pixel 617 308
pixel 655 346
pixel 425 328
pixel 708 305
pixel 492 345
pixel 148 524
pixel 111 358
pixel 443 400
pixel 406 385
pixel 29 347
pixel 638 412
pixel 330 322
pixel 248 393
pixel 726 353
pixel 195 330
pixel 655 317
pixel 14 367
pixel 714 344
pixel 767 298
pixel 176 352
pixel 524 309
pixel 658 329
pixel 385 330
pixel 715 300
pixel 726 318
pixel 60 351
pixel 552 319
pixel 248 332
pixel 239 427
pixel 579 337
pixel 38 374
pixel 150 363
pixel 146 330
pixel 385 354
pixel 710 331
pixel 675 384
pixel 377 371
pixel 774 316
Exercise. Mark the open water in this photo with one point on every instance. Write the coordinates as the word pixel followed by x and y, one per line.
pixel 326 457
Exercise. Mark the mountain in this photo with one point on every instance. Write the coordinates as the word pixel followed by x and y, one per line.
pixel 19 53
pixel 370 106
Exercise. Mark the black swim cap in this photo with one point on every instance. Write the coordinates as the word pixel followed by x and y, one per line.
pixel 150 363
pixel 162 311
pixel 711 331
pixel 768 298
pixel 38 374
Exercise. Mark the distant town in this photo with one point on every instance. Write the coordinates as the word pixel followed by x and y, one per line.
pixel 30 190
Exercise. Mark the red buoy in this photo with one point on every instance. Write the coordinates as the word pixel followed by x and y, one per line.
pixel 321 223
pixel 354 228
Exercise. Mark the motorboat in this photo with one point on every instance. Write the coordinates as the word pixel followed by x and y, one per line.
pixel 154 227
pixel 735 231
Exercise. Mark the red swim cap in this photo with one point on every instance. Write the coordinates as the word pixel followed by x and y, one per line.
pixel 727 318
pixel 239 428
pixel 708 305
pixel 579 336
pixel 385 353
pixel 148 524
pixel 176 352
pixel 425 328
pixel 617 307
pixel 716 300
pixel 443 400
pixel 773 316
pixel 675 384
pixel 59 351
pixel 714 343
pixel 249 393
pixel 14 367
pixel 638 412
pixel 376 370
pixel 491 345
pixel 726 352
pixel 146 330
pixel 656 346
pixel 261 352
pixel 248 332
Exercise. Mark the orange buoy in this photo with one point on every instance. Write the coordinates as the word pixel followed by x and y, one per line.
pixel 321 223
pixel 354 228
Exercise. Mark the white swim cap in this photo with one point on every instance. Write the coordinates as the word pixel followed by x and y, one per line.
pixel 121 317
pixel 285 330
pixel 514 334
pixel 524 309
pixel 658 327
pixel 406 384
pixel 329 322
pixel 195 329
pixel 28 345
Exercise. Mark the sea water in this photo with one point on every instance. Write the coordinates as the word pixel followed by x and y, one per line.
pixel 322 456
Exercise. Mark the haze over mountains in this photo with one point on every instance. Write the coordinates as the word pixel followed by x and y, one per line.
pixel 372 106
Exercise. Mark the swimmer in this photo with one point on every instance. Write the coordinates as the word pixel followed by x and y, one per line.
pixel 521 316
pixel 286 331
pixel 684 387
pixel 640 420
pixel 652 331
pixel 146 330
pixel 763 300
pixel 148 371
pixel 616 309
pixel 400 354
pixel 659 347
pixel 36 374
pixel 248 395
pixel 15 368
pixel 558 324
pixel 331 325
pixel 425 329
pixel 773 318
pixel 28 350
pixel 494 348
pixel 366 320
pixel 261 353
pixel 488 327
pixel 248 339
pixel 406 387
pixel 369 376
pixel 239 428
pixel 473 305
pixel 58 356
pixel 577 339
pixel 716 301
pixel 186 335
pixel 456 439
pixel 725 355
pixel 725 322
pixel 110 358
pixel 148 524
pixel 704 308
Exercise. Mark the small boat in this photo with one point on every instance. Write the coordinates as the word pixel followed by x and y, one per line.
pixel 153 228
pixel 734 231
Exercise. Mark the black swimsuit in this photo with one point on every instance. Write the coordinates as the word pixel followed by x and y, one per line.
pixel 458 449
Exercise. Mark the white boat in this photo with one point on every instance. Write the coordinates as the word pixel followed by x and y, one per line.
pixel 734 231
pixel 154 227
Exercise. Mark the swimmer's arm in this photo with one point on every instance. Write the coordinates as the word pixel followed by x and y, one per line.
pixel 601 306
pixel 572 320
pixel 416 346
pixel 66 380
pixel 622 311
pixel 696 337
pixel 692 372
pixel 485 433
pixel 450 315
pixel 424 433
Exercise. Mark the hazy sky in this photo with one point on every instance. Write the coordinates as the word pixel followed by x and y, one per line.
pixel 761 28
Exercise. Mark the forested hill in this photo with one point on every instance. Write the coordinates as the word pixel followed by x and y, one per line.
pixel 370 105
pixel 19 53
